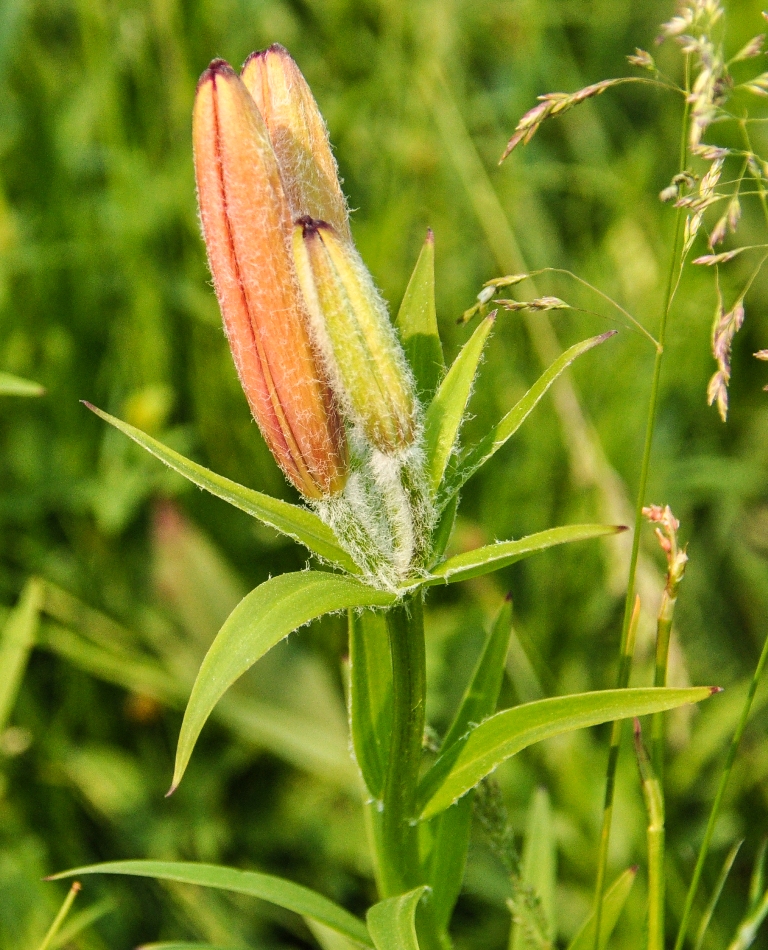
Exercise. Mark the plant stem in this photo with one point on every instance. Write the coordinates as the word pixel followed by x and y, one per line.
pixel 713 815
pixel 617 730
pixel 663 633
pixel 625 667
pixel 399 858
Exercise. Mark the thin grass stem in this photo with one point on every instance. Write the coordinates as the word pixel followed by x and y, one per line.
pixel 61 916
pixel 617 730
pixel 713 815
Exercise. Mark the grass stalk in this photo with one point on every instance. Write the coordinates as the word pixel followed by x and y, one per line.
pixel 61 916
pixel 716 804
pixel 616 733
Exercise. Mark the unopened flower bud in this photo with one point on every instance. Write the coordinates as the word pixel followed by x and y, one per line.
pixel 247 227
pixel 299 137
pixel 351 325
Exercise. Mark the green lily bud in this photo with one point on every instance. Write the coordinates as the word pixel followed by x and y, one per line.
pixel 351 327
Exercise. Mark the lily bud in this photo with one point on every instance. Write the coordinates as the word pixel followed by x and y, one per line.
pixel 366 363
pixel 299 137
pixel 247 226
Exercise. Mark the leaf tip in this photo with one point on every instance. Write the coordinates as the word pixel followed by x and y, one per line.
pixel 634 869
pixel 508 597
pixel 430 238
pixel 715 689
pixel 172 789
pixel 88 405
pixel 621 528
pixel 637 728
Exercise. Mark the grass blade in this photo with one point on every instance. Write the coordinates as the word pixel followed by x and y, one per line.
pixel 452 827
pixel 16 642
pixel 446 411
pixel 298 523
pixel 260 620
pixel 267 887
pixel 417 324
pixel 475 457
pixel 614 900
pixel 538 871
pixel 493 557
pixel 392 922
pixel 16 386
pixel 716 892
pixel 462 766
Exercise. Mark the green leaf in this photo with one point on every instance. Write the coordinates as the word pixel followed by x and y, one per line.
pixel 448 857
pixel 298 523
pixel 260 620
pixel 539 867
pixel 417 324
pixel 327 938
pixel 16 642
pixel 276 890
pixel 370 696
pixel 614 900
pixel 452 828
pixel 462 766
pixel 446 411
pixel 493 557
pixel 392 922
pixel 716 892
pixel 442 533
pixel 185 945
pixel 478 455
pixel 16 386
pixel 483 690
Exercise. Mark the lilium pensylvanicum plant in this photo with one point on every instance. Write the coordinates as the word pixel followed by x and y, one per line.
pixel 365 421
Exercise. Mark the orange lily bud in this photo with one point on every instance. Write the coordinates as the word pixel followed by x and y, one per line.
pixel 352 327
pixel 299 137
pixel 247 228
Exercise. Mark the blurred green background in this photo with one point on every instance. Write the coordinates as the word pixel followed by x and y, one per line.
pixel 105 296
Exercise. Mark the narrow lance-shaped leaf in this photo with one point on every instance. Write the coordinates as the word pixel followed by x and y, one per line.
pixel 462 766
pixel 452 827
pixel 538 871
pixel 184 945
pixel 16 641
pixel 298 523
pixel 16 386
pixel 267 887
pixel 392 922
pixel 716 892
pixel 493 557
pixel 446 411
pixel 476 456
pixel 614 900
pixel 294 737
pixel 370 699
pixel 260 620
pixel 417 324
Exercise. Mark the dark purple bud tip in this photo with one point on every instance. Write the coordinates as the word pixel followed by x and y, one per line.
pixel 634 869
pixel 508 597
pixel 217 67
pixel 276 49
pixel 715 689
pixel 621 527
pixel 310 226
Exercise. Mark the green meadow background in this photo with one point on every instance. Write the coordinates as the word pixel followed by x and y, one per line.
pixel 105 296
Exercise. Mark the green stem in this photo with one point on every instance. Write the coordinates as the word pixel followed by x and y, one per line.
pixel 398 841
pixel 713 815
pixel 617 730
pixel 625 667
pixel 663 633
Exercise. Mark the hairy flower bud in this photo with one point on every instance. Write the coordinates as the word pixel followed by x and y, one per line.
pixel 247 225
pixel 365 361
pixel 299 137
